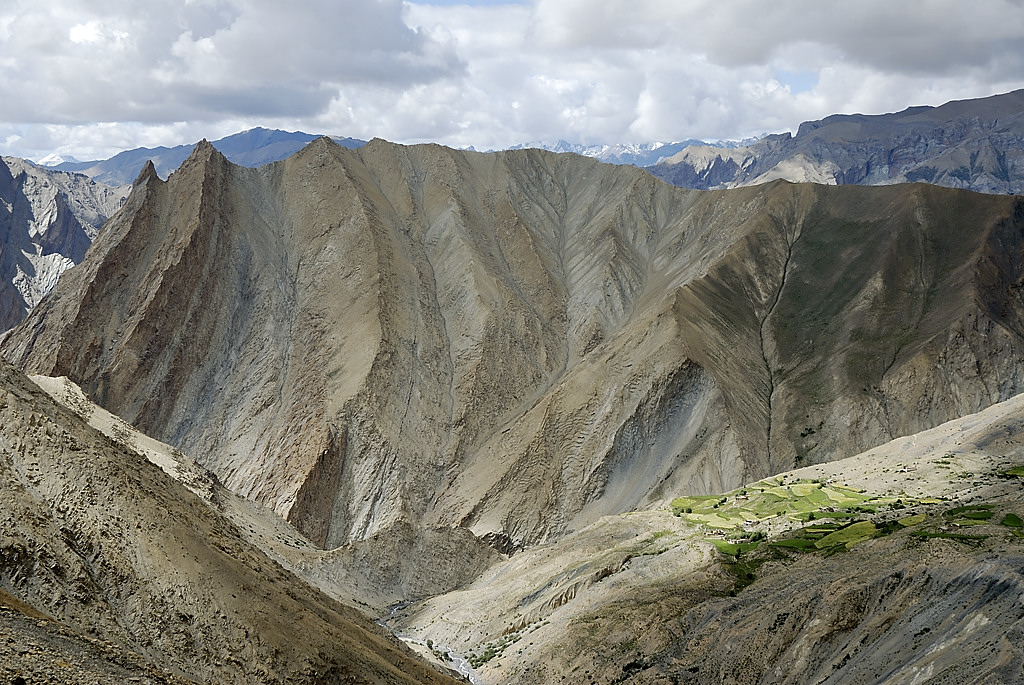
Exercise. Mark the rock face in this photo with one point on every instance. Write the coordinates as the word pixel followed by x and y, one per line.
pixel 973 144
pixel 47 221
pixel 130 574
pixel 519 343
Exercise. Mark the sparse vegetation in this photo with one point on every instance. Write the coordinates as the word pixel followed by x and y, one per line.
pixel 948 536
pixel 1011 520
pixel 836 519
pixel 493 649
pixel 969 515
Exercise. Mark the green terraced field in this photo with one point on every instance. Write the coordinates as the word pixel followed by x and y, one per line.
pixel 849 535
pixel 797 501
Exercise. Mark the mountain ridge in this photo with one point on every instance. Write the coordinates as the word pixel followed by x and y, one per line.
pixel 355 338
pixel 972 144
pixel 116 554
pixel 253 147
pixel 48 219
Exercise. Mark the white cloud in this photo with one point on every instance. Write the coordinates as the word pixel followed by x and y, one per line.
pixel 487 74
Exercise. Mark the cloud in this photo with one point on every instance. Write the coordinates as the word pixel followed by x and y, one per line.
pixel 73 62
pixel 484 73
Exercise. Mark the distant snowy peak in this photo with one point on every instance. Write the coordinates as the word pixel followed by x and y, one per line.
pixel 637 154
pixel 53 159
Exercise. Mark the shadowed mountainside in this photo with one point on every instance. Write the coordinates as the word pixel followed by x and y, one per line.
pixel 47 221
pixel 519 343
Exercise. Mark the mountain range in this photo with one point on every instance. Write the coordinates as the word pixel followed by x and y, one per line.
pixel 638 154
pixel 546 419
pixel 556 320
pixel 973 144
pixel 260 146
pixel 254 147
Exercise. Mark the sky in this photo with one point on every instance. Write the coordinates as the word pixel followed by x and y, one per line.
pixel 91 79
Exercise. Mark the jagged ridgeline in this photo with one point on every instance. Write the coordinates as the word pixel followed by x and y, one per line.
pixel 521 342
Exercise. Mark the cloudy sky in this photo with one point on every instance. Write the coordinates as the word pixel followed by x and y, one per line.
pixel 91 79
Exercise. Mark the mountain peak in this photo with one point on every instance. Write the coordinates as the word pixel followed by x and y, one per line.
pixel 203 155
pixel 53 159
pixel 204 148
pixel 147 172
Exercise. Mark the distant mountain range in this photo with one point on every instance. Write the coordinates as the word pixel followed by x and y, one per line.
pixel 972 144
pixel 259 146
pixel 251 148
pixel 641 155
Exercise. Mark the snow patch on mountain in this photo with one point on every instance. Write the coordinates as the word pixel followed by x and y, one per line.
pixel 637 154
pixel 53 159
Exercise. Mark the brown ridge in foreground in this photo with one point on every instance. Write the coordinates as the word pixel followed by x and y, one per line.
pixel 112 570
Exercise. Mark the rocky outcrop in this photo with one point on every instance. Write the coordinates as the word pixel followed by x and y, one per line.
pixel 48 220
pixel 519 343
pixel 900 610
pixel 973 144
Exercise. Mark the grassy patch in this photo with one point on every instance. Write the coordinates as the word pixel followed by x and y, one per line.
pixel 795 543
pixel 912 520
pixel 848 536
pixel 1017 471
pixel 1011 520
pixel 971 515
pixel 744 571
pixel 801 500
pixel 734 548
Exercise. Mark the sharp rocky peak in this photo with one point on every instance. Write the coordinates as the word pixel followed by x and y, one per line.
pixel 147 173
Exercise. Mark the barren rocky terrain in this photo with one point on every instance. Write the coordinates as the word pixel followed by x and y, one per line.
pixel 111 569
pixel 552 417
pixel 930 594
pixel 520 343
pixel 48 219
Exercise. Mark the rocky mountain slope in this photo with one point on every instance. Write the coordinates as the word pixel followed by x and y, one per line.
pixel 47 221
pixel 520 343
pixel 113 570
pixel 370 575
pixel 900 565
pixel 973 144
